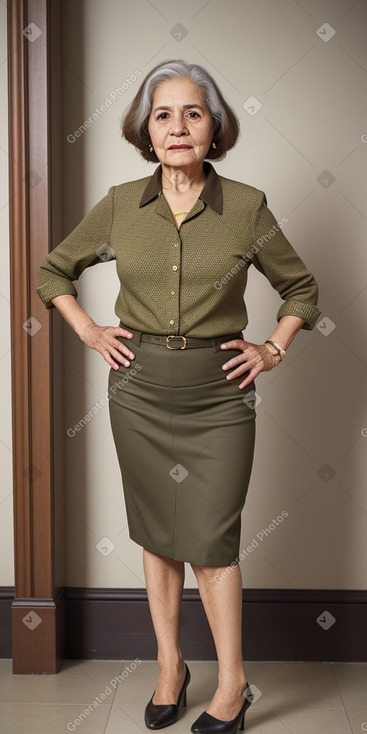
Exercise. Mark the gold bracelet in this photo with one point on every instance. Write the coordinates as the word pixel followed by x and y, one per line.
pixel 281 352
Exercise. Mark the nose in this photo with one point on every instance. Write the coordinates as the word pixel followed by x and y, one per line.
pixel 178 124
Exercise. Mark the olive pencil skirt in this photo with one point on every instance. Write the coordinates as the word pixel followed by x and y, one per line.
pixel 184 437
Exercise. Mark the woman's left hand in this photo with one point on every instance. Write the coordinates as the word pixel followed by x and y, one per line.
pixel 255 358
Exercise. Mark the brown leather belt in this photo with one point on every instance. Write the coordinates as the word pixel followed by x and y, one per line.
pixel 177 341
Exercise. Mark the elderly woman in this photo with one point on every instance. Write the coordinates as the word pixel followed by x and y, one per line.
pixel 181 382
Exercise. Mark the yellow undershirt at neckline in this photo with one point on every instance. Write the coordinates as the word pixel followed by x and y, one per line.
pixel 179 214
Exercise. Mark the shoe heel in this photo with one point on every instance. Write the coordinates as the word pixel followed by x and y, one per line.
pixel 242 722
pixel 184 699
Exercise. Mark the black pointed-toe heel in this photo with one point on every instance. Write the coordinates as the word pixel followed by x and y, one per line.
pixel 159 716
pixel 207 724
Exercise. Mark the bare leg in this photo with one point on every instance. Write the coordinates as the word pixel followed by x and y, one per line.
pixel 164 582
pixel 222 602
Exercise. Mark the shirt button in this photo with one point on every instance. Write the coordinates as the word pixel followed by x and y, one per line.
pixel 176 244
pixel 173 293
pixel 175 267
pixel 171 321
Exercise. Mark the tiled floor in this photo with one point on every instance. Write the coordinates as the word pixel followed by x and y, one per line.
pixel 292 698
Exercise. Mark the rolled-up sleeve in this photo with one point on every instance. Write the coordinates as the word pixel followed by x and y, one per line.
pixel 275 258
pixel 86 245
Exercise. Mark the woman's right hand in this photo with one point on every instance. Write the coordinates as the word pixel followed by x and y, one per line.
pixel 104 340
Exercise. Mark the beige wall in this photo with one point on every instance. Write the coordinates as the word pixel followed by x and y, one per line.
pixel 6 491
pixel 313 119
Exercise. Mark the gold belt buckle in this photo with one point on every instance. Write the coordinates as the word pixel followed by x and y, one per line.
pixel 176 336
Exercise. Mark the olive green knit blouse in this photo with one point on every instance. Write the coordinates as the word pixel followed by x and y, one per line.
pixel 189 281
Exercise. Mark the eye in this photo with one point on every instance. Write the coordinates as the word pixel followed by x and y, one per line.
pixel 196 114
pixel 161 116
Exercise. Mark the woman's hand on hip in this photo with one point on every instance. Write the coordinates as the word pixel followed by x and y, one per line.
pixel 104 340
pixel 255 358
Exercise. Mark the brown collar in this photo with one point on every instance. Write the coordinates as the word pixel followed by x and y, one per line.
pixel 212 192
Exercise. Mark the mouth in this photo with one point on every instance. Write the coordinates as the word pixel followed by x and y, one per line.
pixel 179 147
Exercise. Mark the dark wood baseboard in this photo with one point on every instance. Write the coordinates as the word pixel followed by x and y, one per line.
pixel 38 634
pixel 278 624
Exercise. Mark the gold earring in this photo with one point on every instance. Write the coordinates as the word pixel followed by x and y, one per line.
pixel 151 149
pixel 213 144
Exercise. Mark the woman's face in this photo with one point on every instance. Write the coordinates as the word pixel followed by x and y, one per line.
pixel 180 124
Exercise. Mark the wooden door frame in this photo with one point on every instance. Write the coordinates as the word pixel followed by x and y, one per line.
pixel 35 146
pixel 34 28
